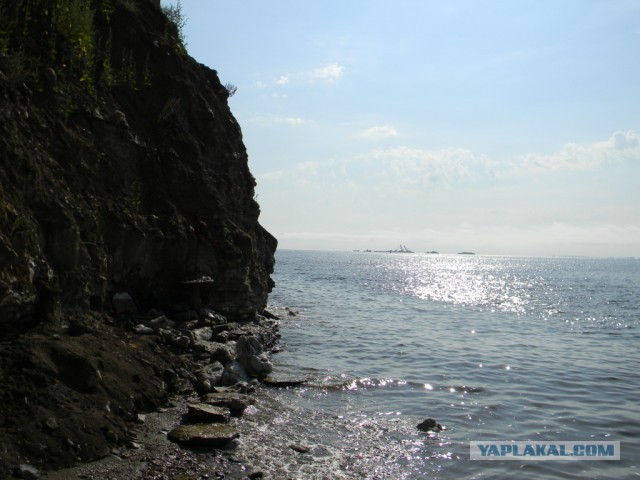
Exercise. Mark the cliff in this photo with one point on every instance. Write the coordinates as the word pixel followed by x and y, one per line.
pixel 122 170
pixel 131 176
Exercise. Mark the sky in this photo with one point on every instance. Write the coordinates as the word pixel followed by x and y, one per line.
pixel 498 127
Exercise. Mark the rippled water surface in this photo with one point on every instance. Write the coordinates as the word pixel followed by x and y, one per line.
pixel 494 348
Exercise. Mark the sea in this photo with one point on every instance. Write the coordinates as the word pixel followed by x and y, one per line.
pixel 494 348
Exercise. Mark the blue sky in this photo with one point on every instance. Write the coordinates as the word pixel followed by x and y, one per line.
pixel 499 127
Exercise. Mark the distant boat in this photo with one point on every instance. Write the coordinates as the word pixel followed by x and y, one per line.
pixel 466 253
pixel 401 249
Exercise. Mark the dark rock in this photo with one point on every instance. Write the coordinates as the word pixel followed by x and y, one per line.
pixel 124 304
pixel 267 314
pixel 212 317
pixel 240 387
pixel 203 334
pixel 51 424
pixel 158 323
pixel 204 413
pixel 209 377
pixel 142 329
pixel 235 402
pixel 249 354
pixel 429 425
pixel 258 366
pixel 300 448
pixel 203 435
pixel 233 373
pixel 27 472
pixel 272 382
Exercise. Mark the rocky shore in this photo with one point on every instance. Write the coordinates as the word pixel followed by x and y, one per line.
pixel 100 398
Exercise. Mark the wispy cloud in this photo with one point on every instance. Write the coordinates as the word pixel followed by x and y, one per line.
pixel 330 72
pixel 291 120
pixel 620 146
pixel 426 167
pixel 379 132
pixel 275 120
pixel 409 171
pixel 283 80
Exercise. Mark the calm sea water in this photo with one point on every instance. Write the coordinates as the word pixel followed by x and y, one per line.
pixel 493 348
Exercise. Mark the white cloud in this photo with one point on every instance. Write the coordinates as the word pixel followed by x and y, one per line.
pixel 283 80
pixel 321 175
pixel 620 146
pixel 379 132
pixel 625 140
pixel 425 167
pixel 265 120
pixel 260 85
pixel 330 72
pixel 292 120
pixel 309 167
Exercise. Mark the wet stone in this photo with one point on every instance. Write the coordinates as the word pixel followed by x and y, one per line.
pixel 429 425
pixel 205 435
pixel 204 413
pixel 235 402
pixel 283 383
pixel 300 448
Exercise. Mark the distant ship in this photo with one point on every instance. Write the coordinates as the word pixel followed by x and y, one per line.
pixel 401 249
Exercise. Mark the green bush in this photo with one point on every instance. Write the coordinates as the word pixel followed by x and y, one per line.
pixel 74 20
pixel 175 15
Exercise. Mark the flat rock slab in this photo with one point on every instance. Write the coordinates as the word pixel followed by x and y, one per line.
pixel 203 435
pixel 235 402
pixel 283 383
pixel 203 413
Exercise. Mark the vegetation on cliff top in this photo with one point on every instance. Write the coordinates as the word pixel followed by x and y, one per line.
pixel 75 36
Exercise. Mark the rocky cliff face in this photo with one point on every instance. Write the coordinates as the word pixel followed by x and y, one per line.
pixel 122 168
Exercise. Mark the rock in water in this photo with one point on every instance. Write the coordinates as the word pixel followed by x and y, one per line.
pixel 273 382
pixel 429 425
pixel 300 448
pixel 204 435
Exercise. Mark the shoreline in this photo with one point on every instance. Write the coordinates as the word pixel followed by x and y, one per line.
pixel 168 364
pixel 155 456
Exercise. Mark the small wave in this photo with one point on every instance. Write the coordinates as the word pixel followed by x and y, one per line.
pixel 359 384
pixel 463 389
